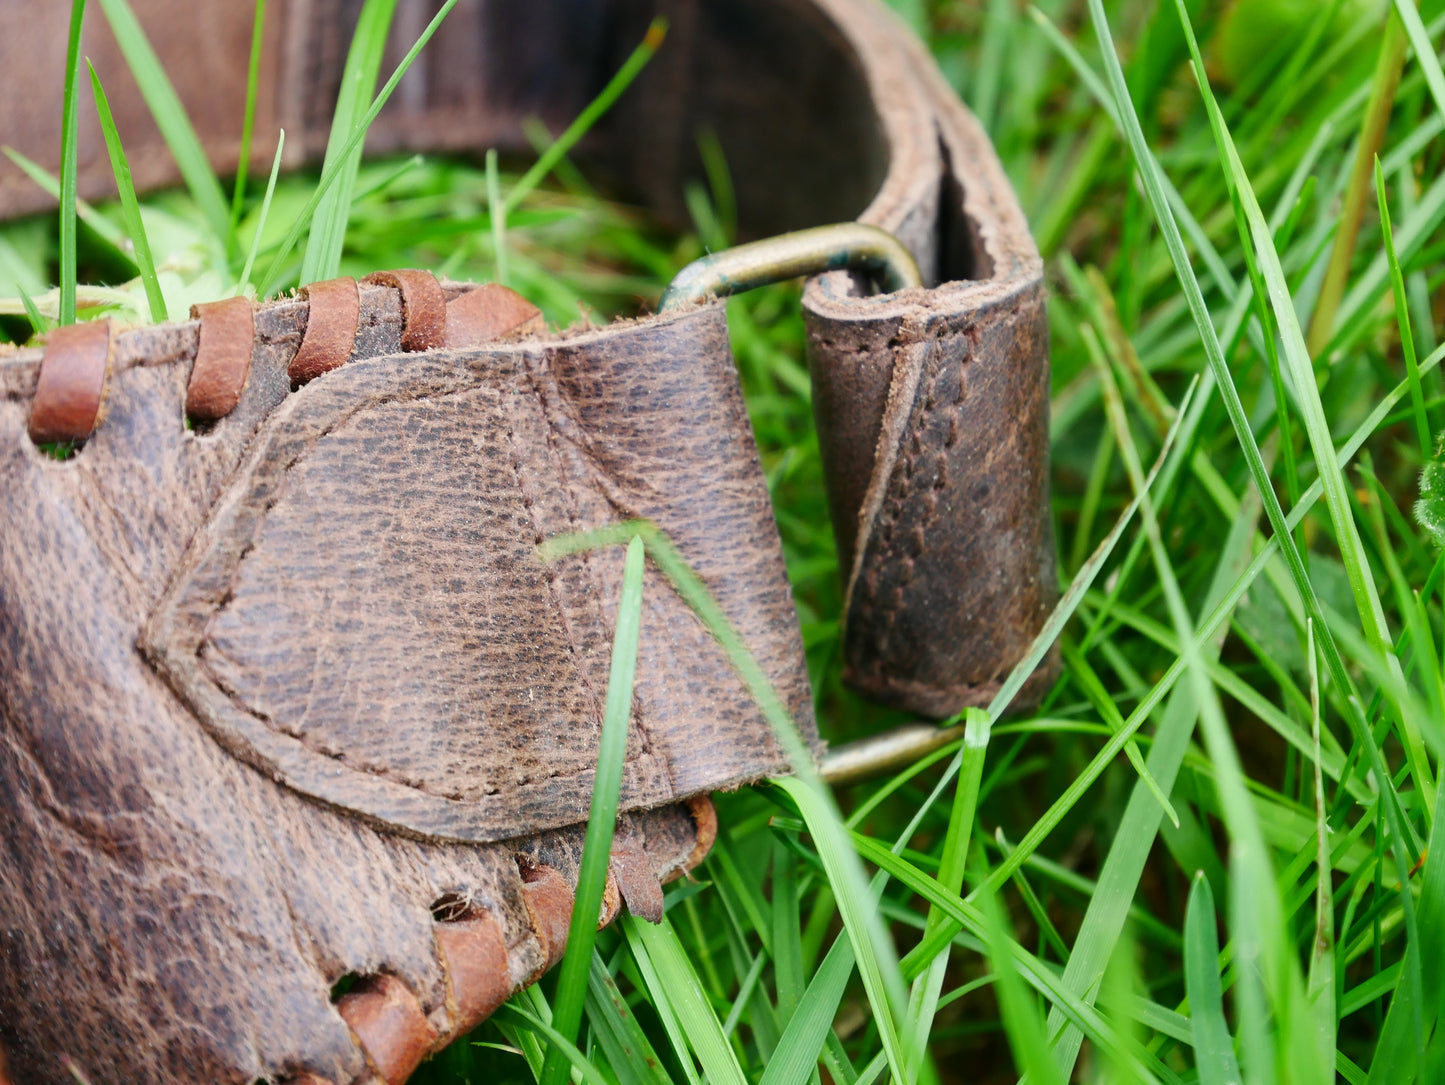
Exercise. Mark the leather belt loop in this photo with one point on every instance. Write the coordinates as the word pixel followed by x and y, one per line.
pixel 331 323
pixel 71 386
pixel 223 357
pixel 423 307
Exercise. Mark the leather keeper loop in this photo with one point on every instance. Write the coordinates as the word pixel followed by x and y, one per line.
pixel 388 1021
pixel 223 358
pixel 331 323
pixel 423 307
pixel 72 382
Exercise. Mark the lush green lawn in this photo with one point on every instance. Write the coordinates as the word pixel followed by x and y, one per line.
pixel 1260 642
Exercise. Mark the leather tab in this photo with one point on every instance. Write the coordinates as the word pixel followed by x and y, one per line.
pixel 331 323
pixel 423 306
pixel 637 880
pixel 489 312
pixel 223 358
pixel 72 382
pixel 390 1026
pixel 474 955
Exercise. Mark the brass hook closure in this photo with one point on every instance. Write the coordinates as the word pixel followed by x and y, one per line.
pixel 850 245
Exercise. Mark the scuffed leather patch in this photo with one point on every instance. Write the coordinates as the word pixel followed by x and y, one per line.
pixel 364 616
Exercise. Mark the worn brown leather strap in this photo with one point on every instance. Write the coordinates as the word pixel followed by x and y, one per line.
pixel 310 663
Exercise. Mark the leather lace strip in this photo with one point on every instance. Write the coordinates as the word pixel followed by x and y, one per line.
pixel 488 312
pixel 72 382
pixel 331 327
pixel 390 1024
pixel 223 358
pixel 423 305
pixel 474 957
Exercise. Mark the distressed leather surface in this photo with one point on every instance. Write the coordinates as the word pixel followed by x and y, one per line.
pixel 271 690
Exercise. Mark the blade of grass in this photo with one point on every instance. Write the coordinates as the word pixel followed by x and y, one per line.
pixel 244 280
pixel 1022 1022
pixel 69 153
pixel 558 1045
pixel 952 866
pixel 1402 318
pixel 572 978
pixel 1424 51
pixel 1321 978
pixel 628 1051
pixel 322 258
pixel 104 228
pixel 808 1028
pixel 860 919
pixel 129 205
pixel 329 174
pixel 1213 1046
pixel 248 121
pixel 1415 1005
pixel 170 117
pixel 32 313
pixel 497 210
pixel 1386 81
pixel 675 982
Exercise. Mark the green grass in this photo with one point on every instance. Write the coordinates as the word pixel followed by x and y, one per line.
pixel 1210 854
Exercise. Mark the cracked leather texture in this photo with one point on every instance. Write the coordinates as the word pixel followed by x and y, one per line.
pixel 271 690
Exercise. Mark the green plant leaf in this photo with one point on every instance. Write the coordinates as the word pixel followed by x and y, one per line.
pixel 170 117
pixel 69 154
pixel 1213 1046
pixel 129 205
pixel 322 259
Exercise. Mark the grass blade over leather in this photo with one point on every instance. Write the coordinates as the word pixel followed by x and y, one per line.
pixel 573 973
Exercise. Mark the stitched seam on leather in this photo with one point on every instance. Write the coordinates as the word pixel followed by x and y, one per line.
pixel 898 499
pixel 898 496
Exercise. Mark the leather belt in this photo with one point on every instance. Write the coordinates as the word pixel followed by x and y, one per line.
pixel 290 695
